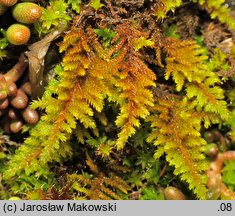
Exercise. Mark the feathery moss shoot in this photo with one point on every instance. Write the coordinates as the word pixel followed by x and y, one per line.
pixel 117 100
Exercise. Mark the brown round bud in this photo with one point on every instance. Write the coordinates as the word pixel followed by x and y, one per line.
pixel 27 88
pixel 173 193
pixel 16 126
pixel 212 150
pixel 20 101
pixel 3 95
pixel 209 136
pixel 30 116
pixel 11 89
pixel 4 104
pixel 13 114
pixel 8 3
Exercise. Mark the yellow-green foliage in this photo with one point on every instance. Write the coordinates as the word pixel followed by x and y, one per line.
pixel 96 4
pixel 97 186
pixel 218 9
pixel 88 75
pixel 176 132
pixel 134 79
pixel 54 15
pixel 199 77
pixel 231 121
pixel 108 66
pixel 164 6
pixel 177 122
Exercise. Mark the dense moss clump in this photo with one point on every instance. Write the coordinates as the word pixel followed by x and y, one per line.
pixel 135 98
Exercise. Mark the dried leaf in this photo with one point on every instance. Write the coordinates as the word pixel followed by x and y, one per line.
pixel 36 58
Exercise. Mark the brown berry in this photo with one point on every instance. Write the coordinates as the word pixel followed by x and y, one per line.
pixel 3 87
pixel 209 137
pixel 4 104
pixel 16 126
pixel 27 12
pixel 11 89
pixel 8 3
pixel 12 114
pixel 20 101
pixel 18 34
pixel 27 88
pixel 212 150
pixel 30 116
pixel 3 95
pixel 173 193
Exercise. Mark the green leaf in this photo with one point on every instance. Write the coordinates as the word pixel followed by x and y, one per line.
pixel 106 34
pixel 2 155
pixel 171 31
pixel 142 42
pixel 150 193
pixel 75 5
pixel 144 160
pixel 3 43
pixel 96 4
pixel 52 16
pixel 228 174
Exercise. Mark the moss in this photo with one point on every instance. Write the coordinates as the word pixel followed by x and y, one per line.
pixel 131 97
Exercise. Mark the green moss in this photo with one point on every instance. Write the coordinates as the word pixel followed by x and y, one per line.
pixel 126 110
